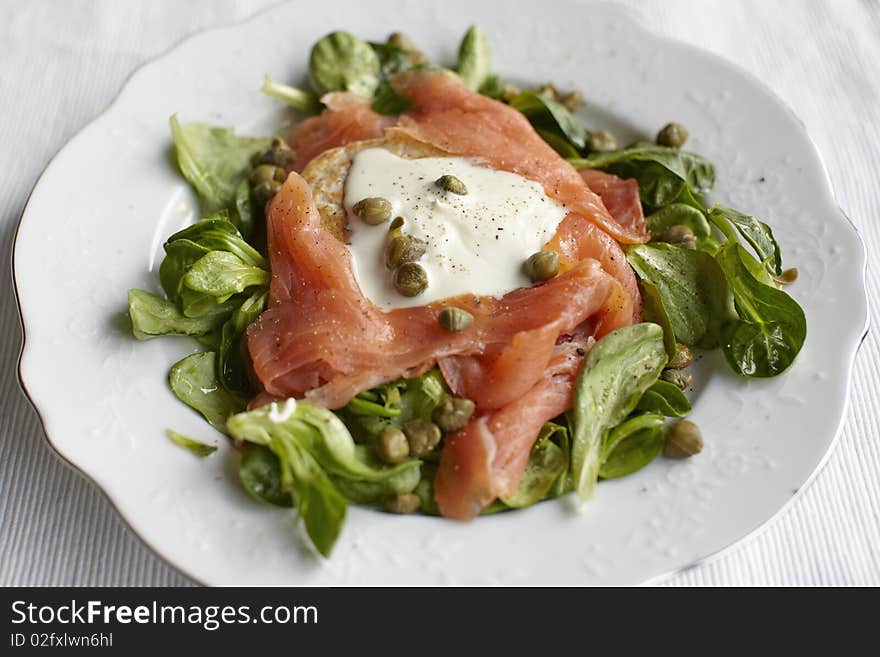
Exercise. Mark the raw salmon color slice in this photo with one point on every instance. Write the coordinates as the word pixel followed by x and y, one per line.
pixel 450 116
pixel 487 459
pixel 620 197
pixel 322 340
pixel 347 118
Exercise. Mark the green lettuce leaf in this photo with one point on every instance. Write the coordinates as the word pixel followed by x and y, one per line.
pixel 615 375
pixel 631 445
pixel 318 459
pixel 547 468
pixel 758 235
pixel 692 289
pixel 552 121
pixel 342 62
pixel 260 474
pixel 231 358
pixel 678 214
pixel 653 311
pixel 771 328
pixel 394 403
pixel 474 58
pixel 221 274
pixel 202 306
pixel 151 316
pixel 297 98
pixel 665 175
pixel 214 161
pixel 194 381
pixel 666 399
pixel 392 60
pixel 218 233
pixel 194 446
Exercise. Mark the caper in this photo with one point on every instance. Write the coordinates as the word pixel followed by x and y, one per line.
pixel 679 235
pixel 683 357
pixel 392 445
pixel 451 184
pixel 673 135
pixel 265 192
pixel 410 279
pixel 407 45
pixel 280 155
pixel 400 249
pixel 787 277
pixel 402 503
pixel 423 436
pixel 603 141
pixel 397 223
pixel 266 180
pixel 542 266
pixel 453 413
pixel 454 319
pixel 548 90
pixel 572 100
pixel 268 173
pixel 683 440
pixel 372 210
pixel 677 377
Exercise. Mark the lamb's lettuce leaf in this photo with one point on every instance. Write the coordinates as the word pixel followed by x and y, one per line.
pixel 214 161
pixel 231 358
pixel 317 455
pixel 666 399
pixel 151 316
pixel 217 284
pixel 631 445
pixel 260 474
pixel 756 233
pixel 553 122
pixel 221 274
pixel 474 58
pixel 343 62
pixel 547 469
pixel 678 214
pixel 190 444
pixel 665 175
pixel 195 382
pixel 615 375
pixel 692 289
pixel 654 311
pixel 394 403
pixel 771 327
pixel 304 101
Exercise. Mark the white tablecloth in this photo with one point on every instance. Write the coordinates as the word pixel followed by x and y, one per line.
pixel 61 63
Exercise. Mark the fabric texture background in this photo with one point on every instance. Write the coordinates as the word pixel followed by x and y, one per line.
pixel 64 62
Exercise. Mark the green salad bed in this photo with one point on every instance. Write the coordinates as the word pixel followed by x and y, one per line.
pixel 711 278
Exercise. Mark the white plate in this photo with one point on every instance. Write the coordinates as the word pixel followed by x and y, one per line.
pixel 94 226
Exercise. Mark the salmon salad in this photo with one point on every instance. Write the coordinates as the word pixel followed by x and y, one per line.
pixel 436 291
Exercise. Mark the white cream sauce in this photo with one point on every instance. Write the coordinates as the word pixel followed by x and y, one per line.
pixel 476 243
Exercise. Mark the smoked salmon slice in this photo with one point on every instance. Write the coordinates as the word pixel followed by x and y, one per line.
pixel 323 340
pixel 487 459
pixel 620 197
pixel 451 117
pixel 347 118
pixel 459 121
pixel 576 239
